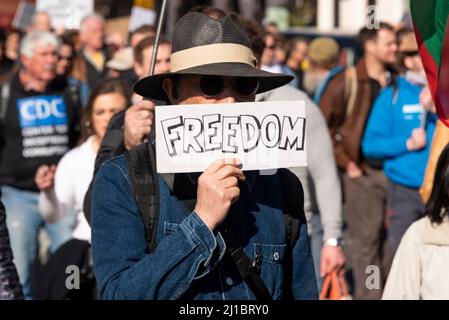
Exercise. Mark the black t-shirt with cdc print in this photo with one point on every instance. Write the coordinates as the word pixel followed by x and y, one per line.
pixel 37 128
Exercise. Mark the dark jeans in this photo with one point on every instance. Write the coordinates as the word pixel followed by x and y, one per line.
pixel 405 207
pixel 365 234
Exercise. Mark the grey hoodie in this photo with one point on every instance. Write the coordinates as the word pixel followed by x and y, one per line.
pixel 322 189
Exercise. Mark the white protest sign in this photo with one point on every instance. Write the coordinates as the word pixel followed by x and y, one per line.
pixel 263 135
pixel 141 17
pixel 66 13
pixel 23 16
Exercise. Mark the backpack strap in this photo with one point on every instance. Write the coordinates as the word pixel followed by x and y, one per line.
pixel 351 86
pixel 248 270
pixel 6 90
pixel 293 204
pixel 145 187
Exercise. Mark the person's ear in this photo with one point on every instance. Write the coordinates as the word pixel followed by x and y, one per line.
pixel 170 90
pixel 370 46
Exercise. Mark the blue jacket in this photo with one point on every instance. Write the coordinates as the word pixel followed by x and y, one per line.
pixel 390 125
pixel 189 259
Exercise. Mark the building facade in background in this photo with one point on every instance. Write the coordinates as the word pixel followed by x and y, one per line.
pixel 345 15
pixel 351 15
pixel 325 15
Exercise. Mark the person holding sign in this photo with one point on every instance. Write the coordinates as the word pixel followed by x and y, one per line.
pixel 204 220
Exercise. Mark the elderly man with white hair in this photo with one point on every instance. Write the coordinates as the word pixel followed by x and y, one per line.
pixel 90 65
pixel 37 127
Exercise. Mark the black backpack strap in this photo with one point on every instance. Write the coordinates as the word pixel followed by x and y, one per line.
pixel 145 187
pixel 5 93
pixel 293 203
pixel 249 270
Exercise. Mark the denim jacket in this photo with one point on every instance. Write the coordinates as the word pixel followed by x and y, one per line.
pixel 189 261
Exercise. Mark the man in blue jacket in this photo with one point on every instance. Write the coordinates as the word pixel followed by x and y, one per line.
pixel 400 130
pixel 212 62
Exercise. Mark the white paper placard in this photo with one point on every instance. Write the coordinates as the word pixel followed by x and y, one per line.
pixel 262 135
pixel 141 17
pixel 66 13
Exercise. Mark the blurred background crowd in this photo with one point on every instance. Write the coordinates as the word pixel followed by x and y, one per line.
pixel 91 52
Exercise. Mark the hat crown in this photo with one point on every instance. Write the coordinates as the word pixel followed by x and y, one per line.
pixel 202 45
pixel 197 29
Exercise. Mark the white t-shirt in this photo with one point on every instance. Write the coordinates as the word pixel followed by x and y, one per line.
pixel 72 179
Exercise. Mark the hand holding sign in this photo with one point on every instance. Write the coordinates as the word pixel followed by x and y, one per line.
pixel 138 123
pixel 217 191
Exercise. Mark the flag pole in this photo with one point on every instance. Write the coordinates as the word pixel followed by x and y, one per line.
pixel 152 137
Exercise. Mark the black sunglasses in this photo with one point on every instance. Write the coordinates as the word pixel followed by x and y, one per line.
pixel 213 86
pixel 410 53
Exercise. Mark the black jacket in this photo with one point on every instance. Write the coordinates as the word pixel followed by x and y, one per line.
pixel 10 287
pixel 36 128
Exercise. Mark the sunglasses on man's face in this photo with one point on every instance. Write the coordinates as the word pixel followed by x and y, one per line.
pixel 213 86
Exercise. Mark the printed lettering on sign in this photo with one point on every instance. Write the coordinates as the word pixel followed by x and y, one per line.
pixel 263 135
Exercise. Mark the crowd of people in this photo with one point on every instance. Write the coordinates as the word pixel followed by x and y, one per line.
pixel 72 114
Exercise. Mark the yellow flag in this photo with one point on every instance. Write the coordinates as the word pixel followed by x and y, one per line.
pixel 147 4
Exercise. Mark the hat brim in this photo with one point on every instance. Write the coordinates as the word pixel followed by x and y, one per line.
pixel 151 86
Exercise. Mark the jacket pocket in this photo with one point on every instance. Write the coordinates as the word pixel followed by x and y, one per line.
pixel 270 258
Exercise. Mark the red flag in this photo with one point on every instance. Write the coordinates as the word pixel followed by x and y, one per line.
pixel 430 19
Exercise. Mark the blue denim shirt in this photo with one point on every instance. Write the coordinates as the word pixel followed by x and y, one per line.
pixel 189 261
